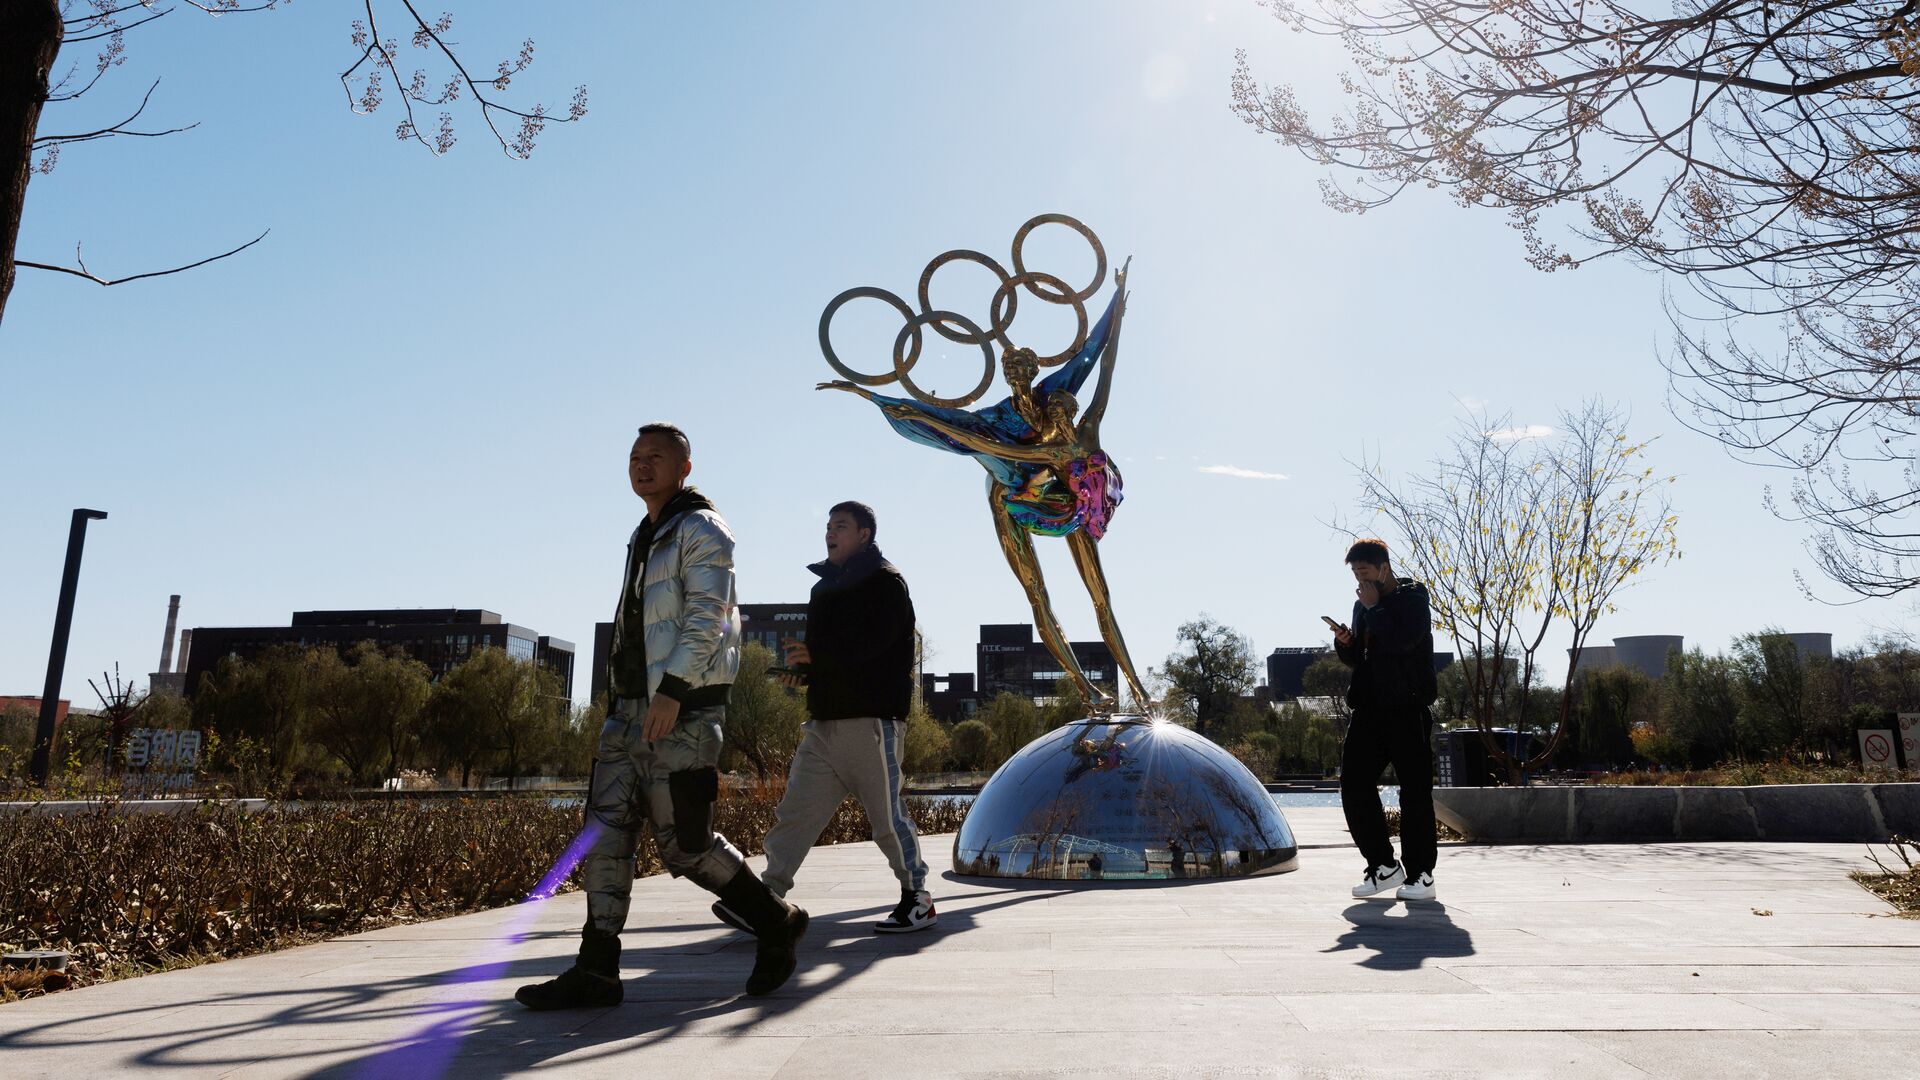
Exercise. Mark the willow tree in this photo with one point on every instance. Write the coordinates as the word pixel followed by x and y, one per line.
pixel 764 720
pixel 1523 540
pixel 366 708
pixel 1765 153
pixel 1208 673
pixel 496 706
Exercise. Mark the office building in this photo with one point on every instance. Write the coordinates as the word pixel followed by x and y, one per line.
pixel 1287 668
pixel 440 638
pixel 950 698
pixel 1009 659
pixel 770 625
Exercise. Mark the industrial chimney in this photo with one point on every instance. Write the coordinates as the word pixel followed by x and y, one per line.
pixel 186 642
pixel 166 644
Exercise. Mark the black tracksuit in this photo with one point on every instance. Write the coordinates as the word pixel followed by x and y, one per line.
pixel 1393 683
pixel 860 635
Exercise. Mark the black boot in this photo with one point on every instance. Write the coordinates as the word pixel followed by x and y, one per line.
pixel 593 982
pixel 777 924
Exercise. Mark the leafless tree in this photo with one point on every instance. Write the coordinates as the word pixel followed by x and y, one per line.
pixel 35 36
pixel 1520 534
pixel 1765 152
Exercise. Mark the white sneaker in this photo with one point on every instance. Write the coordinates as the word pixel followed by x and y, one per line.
pixel 914 912
pixel 1420 888
pixel 1379 879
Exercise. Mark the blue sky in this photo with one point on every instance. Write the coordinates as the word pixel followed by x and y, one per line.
pixel 421 388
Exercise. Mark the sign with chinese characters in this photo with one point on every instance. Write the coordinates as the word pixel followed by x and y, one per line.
pixel 1909 726
pixel 167 758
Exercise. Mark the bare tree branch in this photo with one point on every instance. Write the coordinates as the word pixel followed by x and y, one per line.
pixel 381 54
pixel 115 129
pixel 230 7
pixel 32 33
pixel 82 20
pixel 109 31
pixel 80 269
pixel 1767 155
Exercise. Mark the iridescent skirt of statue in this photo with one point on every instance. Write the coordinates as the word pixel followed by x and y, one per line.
pixel 1047 504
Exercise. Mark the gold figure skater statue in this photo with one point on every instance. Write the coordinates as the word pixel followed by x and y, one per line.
pixel 1046 472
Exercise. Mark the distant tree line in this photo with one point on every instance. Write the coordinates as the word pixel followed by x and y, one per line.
pixel 1759 701
pixel 290 718
pixel 368 714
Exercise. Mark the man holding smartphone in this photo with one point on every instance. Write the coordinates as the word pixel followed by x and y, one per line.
pixel 857 663
pixel 1390 649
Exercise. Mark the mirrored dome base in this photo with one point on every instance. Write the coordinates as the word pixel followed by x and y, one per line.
pixel 1123 797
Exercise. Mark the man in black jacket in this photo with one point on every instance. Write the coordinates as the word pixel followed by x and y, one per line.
pixel 1390 649
pixel 858 665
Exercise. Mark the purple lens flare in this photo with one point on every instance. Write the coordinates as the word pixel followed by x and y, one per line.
pixel 426 1053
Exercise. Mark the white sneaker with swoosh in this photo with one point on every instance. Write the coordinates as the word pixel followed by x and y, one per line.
pixel 1420 888
pixel 914 912
pixel 1379 879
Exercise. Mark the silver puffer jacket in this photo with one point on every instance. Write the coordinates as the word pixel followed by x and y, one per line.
pixel 687 596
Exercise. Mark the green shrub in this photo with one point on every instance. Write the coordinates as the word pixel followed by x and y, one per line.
pixel 972 743
pixel 1259 752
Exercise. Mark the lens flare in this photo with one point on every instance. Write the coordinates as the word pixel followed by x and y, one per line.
pixel 426 1053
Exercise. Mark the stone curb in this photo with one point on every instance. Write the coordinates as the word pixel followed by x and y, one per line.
pixel 1846 813
pixel 63 807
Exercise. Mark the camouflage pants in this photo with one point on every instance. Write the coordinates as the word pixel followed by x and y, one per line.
pixel 668 786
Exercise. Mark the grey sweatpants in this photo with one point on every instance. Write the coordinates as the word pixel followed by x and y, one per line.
pixel 837 758
pixel 665 787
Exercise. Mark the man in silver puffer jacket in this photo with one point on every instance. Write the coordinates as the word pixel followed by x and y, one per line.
pixel 676 648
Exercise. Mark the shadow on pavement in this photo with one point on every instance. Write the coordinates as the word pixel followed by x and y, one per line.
pixel 461 1020
pixel 497 1038
pixel 1402 937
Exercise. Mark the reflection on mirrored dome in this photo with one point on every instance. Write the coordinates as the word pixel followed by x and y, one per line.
pixel 1123 797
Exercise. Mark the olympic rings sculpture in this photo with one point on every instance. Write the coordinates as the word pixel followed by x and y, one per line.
pixel 962 330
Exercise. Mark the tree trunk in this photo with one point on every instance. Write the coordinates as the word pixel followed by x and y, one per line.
pixel 30 35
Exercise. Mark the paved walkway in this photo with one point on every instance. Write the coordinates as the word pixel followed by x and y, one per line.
pixel 1690 960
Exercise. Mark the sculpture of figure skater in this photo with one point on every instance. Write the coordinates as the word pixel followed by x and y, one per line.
pixel 1047 474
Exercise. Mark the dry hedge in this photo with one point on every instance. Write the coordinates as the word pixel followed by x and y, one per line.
pixel 127 892
pixel 1898 879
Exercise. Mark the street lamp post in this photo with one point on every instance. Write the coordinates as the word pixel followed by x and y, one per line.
pixel 57 658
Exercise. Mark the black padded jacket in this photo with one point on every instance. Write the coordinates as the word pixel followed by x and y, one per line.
pixel 1392 651
pixel 860 635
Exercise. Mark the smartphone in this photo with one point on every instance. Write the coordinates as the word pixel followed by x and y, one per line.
pixel 1331 625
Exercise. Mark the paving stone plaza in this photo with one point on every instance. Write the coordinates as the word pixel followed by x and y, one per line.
pixel 1677 960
